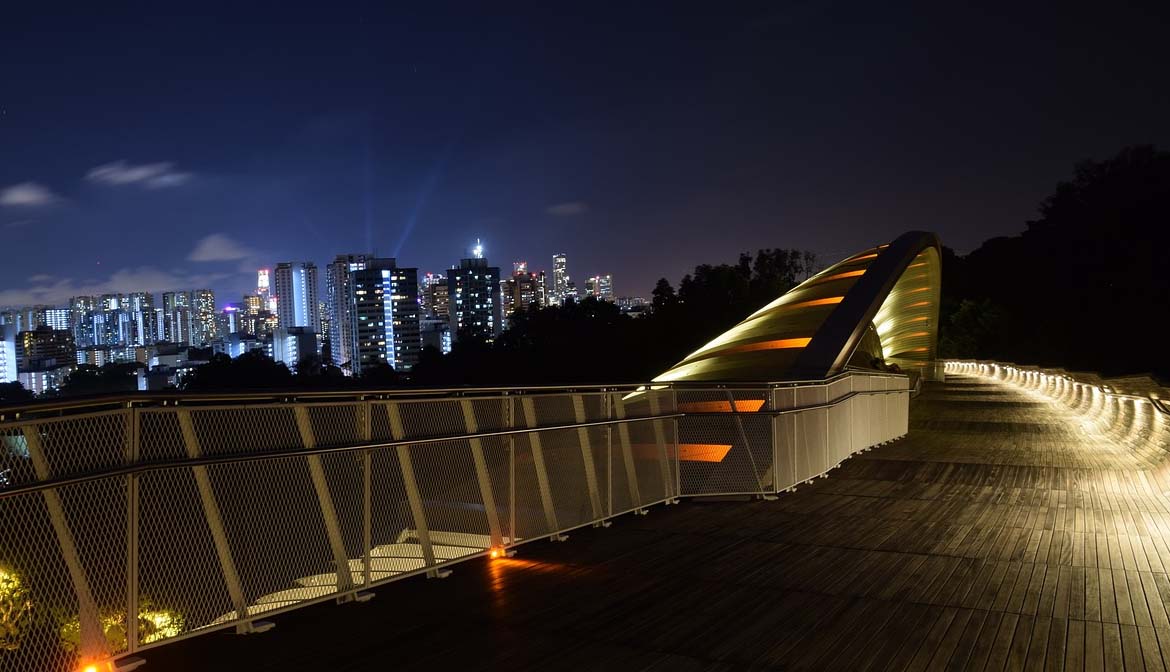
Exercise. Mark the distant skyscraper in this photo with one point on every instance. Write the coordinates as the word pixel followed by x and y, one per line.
pixel 339 306
pixel 295 284
pixel 385 312
pixel 7 353
pixel 44 358
pixel 203 315
pixel 439 299
pixel 521 291
pixel 474 291
pixel 600 287
pixel 57 318
pixel 560 279
pixel 177 318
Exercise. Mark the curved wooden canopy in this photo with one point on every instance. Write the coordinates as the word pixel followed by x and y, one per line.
pixel 875 308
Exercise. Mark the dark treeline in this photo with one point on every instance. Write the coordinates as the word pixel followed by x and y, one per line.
pixel 1085 287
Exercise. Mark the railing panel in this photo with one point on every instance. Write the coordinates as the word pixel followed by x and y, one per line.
pixel 181 584
pixel 725 453
pixel 225 528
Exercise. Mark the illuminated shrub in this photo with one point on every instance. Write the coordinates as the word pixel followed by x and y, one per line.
pixel 16 610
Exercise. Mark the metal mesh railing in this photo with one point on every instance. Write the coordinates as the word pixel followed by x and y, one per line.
pixel 132 527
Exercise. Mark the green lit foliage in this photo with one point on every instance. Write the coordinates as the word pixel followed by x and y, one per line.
pixel 16 610
pixel 154 624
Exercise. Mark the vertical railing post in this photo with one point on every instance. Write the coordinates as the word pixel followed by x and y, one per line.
pixel 481 474
pixel 366 408
pixel 587 458
pixel 413 496
pixel 510 422
pixel 542 484
pixel 211 514
pixel 660 440
pixel 93 644
pixel 133 451
pixel 619 408
pixel 325 501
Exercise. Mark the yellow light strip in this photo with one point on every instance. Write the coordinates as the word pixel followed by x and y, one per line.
pixel 841 276
pixel 778 344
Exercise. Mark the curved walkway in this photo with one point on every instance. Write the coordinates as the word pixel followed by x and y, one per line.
pixel 999 534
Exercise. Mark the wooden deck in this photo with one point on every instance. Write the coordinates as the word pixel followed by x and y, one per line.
pixel 995 536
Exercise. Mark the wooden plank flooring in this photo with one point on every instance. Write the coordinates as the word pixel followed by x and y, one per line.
pixel 996 536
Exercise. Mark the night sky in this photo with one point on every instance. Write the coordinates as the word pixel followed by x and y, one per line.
pixel 159 151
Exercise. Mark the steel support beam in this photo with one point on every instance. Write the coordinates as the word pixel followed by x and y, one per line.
pixel 93 640
pixel 481 474
pixel 587 458
pixel 534 440
pixel 211 514
pixel 413 496
pixel 628 456
pixel 324 500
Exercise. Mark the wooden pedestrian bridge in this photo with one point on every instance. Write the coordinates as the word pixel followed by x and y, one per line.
pixel 814 489
pixel 1005 531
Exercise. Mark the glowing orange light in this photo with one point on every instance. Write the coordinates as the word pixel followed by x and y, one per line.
pixel 496 552
pixel 778 344
pixel 920 289
pixel 921 263
pixel 922 318
pixel 919 304
pixel 864 256
pixel 919 349
pixel 817 302
pixel 703 452
pixel 741 406
pixel 842 276
pixel 920 333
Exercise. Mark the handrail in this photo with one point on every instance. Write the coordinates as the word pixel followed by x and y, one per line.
pixel 15 412
pixel 144 467
pixel 1157 403
pixel 164 465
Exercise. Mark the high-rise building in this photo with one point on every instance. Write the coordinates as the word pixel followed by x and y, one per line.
pixel 385 312
pixel 144 327
pixel 228 321
pixel 560 280
pixel 600 287
pixel 474 292
pixel 295 284
pixel 426 292
pixel 203 316
pixel 44 358
pixel 339 306
pixel 521 291
pixel 110 302
pixel 292 345
pixel 7 353
pixel 57 318
pixel 439 299
pixel 80 307
pixel 178 325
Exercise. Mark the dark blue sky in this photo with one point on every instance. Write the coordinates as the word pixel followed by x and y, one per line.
pixel 151 150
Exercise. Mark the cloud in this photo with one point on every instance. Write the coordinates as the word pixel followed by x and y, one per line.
pixel 27 194
pixel 150 175
pixel 218 247
pixel 570 209
pixel 143 279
